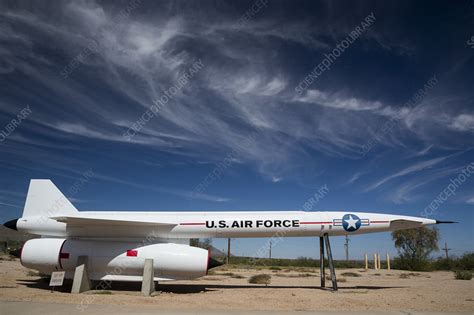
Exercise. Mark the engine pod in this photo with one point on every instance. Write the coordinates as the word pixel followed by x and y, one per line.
pixel 121 261
pixel 42 254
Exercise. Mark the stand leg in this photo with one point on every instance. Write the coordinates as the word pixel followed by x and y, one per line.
pixel 81 280
pixel 331 263
pixel 321 262
pixel 148 283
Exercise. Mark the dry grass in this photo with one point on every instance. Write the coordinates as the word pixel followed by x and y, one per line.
pixel 260 279
pixel 463 275
pixel 299 275
pixel 230 274
pixel 350 274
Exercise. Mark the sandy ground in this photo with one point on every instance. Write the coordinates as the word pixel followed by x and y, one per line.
pixel 296 290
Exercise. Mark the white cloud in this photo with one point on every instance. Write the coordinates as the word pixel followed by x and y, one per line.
pixel 463 122
pixel 417 167
pixel 276 179
pixel 273 87
pixel 355 177
pixel 337 101
pixel 176 192
pixel 239 90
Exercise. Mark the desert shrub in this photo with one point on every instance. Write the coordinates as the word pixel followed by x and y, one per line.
pixel 302 275
pixel 260 279
pixel 348 264
pixel 340 279
pixel 230 274
pixel 463 275
pixel 444 264
pixel 466 262
pixel 404 263
pixel 350 274
pixel 306 262
pixel 274 268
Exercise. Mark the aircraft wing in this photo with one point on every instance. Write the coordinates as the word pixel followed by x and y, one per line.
pixel 89 221
pixel 404 224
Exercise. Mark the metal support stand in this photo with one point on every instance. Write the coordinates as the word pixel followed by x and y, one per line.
pixel 321 262
pixel 148 283
pixel 81 282
pixel 331 263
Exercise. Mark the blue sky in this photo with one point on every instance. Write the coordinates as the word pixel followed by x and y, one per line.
pixel 88 71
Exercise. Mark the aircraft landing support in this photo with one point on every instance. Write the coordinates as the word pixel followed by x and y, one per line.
pixel 331 263
pixel 148 283
pixel 321 262
pixel 81 282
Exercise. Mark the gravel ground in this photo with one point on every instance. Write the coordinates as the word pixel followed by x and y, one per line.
pixel 289 290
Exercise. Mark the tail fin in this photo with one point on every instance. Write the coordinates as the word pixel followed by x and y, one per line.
pixel 45 199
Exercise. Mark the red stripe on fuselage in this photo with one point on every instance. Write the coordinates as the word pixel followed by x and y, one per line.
pixel 192 224
pixel 302 222
pixel 309 222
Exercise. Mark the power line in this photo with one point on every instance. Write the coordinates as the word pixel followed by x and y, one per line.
pixel 446 249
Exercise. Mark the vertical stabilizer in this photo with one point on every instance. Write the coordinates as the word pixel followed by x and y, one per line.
pixel 45 199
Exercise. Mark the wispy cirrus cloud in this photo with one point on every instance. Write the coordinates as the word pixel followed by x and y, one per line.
pixel 177 192
pixel 247 84
pixel 463 122
pixel 417 167
pixel 338 101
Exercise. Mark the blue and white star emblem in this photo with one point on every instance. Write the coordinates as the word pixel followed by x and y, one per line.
pixel 351 222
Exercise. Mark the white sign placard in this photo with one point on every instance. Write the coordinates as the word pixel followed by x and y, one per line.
pixel 57 278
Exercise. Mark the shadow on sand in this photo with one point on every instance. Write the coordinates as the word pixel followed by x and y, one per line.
pixel 43 283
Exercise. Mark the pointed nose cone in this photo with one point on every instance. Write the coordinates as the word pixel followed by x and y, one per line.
pixel 11 224
pixel 445 222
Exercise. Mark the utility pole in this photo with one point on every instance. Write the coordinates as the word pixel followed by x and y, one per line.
pixel 446 249
pixel 228 250
pixel 346 246
pixel 270 251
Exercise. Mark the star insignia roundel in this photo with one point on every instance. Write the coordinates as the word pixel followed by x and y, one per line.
pixel 351 222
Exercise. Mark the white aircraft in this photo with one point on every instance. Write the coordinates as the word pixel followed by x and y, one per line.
pixel 117 243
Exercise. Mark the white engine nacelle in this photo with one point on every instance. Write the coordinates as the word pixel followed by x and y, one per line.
pixel 122 261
